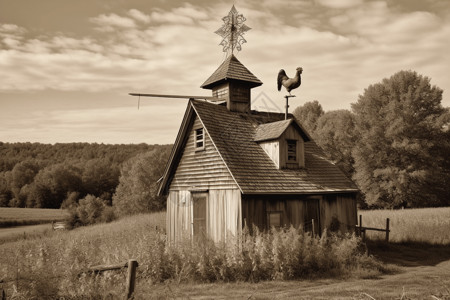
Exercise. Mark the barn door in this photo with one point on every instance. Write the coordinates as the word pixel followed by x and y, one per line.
pixel 199 214
pixel 312 213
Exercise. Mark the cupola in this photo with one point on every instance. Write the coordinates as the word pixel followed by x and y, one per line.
pixel 232 82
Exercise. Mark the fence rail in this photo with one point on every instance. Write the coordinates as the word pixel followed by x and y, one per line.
pixel 131 264
pixel 361 230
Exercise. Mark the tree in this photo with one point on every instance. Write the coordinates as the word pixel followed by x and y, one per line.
pixel 52 185
pixel 138 183
pixel 398 157
pixel 335 133
pixel 308 114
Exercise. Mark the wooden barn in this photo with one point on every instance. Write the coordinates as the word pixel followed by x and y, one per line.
pixel 232 166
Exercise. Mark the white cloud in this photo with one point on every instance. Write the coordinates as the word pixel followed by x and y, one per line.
pixel 139 16
pixel 112 21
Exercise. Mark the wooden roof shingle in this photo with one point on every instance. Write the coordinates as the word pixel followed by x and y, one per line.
pixel 233 135
pixel 231 68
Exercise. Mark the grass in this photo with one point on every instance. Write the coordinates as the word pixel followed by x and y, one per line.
pixel 43 266
pixel 427 225
pixel 12 216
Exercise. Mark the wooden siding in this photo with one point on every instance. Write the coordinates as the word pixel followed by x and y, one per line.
pixel 272 148
pixel 278 152
pixel 179 216
pixel 299 210
pixel 341 207
pixel 223 214
pixel 291 134
pixel 202 169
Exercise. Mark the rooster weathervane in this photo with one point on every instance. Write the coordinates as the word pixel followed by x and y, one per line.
pixel 232 31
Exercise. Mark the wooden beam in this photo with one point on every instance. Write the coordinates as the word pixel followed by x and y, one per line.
pixel 175 96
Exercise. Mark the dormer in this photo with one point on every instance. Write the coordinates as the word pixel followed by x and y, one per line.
pixel 283 141
pixel 232 83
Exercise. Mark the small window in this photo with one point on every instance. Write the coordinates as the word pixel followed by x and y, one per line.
pixel 292 150
pixel 274 219
pixel 199 139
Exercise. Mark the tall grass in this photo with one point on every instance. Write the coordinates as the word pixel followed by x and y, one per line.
pixel 427 225
pixel 54 266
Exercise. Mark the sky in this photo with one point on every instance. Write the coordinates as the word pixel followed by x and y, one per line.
pixel 66 67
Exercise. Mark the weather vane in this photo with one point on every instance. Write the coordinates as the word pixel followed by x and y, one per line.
pixel 232 31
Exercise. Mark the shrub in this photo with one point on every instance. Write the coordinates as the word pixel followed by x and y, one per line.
pixel 90 210
pixel 279 254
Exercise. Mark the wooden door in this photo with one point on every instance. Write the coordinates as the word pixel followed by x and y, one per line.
pixel 312 213
pixel 199 214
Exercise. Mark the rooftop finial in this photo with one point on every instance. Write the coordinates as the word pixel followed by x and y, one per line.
pixel 232 31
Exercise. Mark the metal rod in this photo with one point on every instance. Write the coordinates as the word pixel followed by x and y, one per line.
pixel 287 105
pixel 175 96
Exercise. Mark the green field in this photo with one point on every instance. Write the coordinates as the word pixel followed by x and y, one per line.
pixel 12 216
pixel 420 264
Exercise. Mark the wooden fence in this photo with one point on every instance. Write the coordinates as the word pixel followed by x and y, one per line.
pixel 361 230
pixel 131 264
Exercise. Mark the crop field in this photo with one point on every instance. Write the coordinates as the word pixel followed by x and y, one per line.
pixel 427 225
pixel 43 266
pixel 12 216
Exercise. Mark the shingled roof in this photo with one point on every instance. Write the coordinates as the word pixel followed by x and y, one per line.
pixel 233 136
pixel 231 68
pixel 274 130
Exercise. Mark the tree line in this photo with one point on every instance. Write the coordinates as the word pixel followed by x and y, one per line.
pixel 88 178
pixel 394 142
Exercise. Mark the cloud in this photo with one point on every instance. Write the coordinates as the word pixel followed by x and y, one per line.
pixel 112 21
pixel 139 16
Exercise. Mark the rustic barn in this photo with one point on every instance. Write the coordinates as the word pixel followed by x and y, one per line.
pixel 232 166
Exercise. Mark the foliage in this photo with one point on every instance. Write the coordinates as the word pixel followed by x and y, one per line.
pixel 90 210
pixel 399 158
pixel 137 189
pixel 308 115
pixel 335 134
pixel 41 175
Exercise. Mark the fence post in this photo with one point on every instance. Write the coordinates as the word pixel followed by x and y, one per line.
pixel 387 230
pixel 312 224
pixel 131 277
pixel 360 225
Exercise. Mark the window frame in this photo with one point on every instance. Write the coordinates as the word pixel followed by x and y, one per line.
pixel 197 140
pixel 296 151
pixel 275 212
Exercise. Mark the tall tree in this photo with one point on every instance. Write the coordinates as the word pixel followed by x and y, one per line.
pixel 335 133
pixel 398 156
pixel 308 114
pixel 138 183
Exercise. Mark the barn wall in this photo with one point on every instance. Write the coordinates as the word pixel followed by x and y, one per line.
pixel 340 208
pixel 273 150
pixel 202 169
pixel 178 215
pixel 223 215
pixel 299 210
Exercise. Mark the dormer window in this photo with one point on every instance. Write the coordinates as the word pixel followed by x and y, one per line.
pixel 291 150
pixel 199 139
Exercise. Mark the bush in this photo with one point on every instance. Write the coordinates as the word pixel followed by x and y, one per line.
pixel 90 210
pixel 278 254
